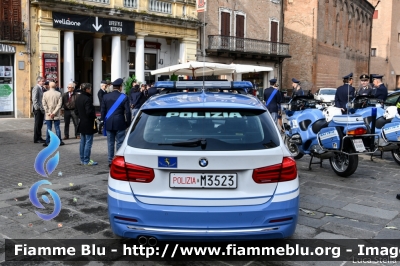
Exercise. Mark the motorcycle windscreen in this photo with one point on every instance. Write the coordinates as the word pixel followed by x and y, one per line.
pixel 329 138
pixel 391 132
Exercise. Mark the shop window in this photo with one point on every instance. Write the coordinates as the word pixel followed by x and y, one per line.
pixel 150 61
pixel 131 60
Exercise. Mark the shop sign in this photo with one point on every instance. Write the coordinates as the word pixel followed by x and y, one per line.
pixel 92 24
pixel 4 48
pixel 201 5
pixel 148 45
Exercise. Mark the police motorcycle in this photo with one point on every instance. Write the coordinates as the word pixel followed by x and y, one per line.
pixel 340 140
pixel 385 123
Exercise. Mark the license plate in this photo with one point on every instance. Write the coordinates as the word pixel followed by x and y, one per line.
pixel 190 180
pixel 358 145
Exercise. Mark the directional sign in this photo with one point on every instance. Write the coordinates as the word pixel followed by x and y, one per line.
pixel 93 24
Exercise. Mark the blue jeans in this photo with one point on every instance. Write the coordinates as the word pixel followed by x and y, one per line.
pixel 112 137
pixel 49 124
pixel 85 148
pixel 134 112
pixel 275 117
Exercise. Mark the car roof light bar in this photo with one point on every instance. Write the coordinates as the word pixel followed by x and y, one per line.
pixel 183 85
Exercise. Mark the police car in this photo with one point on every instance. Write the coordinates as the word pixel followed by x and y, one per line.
pixel 201 162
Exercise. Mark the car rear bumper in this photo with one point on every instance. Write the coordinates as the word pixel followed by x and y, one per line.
pixel 204 223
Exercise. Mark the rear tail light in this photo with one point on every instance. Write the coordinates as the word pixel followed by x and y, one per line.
pixel 123 171
pixel 357 131
pixel 282 172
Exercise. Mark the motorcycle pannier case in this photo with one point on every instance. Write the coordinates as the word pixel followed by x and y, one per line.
pixel 391 132
pixel 329 138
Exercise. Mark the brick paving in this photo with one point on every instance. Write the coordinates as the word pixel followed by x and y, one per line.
pixel 360 206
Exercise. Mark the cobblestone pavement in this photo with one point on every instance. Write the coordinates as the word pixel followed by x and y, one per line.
pixel 361 206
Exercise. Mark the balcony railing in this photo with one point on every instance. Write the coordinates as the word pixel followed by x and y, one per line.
pixel 235 44
pixel 99 1
pixel 11 31
pixel 159 6
pixel 130 3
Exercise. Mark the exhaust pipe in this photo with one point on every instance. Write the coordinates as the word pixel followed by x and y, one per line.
pixel 152 241
pixel 142 240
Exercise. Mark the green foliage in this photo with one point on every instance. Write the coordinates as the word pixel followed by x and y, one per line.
pixel 128 84
pixel 174 77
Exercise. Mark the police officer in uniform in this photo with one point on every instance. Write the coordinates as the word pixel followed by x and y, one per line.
pixel 297 90
pixel 273 102
pixel 345 93
pixel 379 91
pixel 365 88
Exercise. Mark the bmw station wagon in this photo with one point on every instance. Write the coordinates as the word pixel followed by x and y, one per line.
pixel 202 162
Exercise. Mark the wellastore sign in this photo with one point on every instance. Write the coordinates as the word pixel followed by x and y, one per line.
pixel 92 24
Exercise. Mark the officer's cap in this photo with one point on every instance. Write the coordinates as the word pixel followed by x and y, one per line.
pixel 118 82
pixel 376 76
pixel 272 81
pixel 103 82
pixel 349 76
pixel 295 80
pixel 364 77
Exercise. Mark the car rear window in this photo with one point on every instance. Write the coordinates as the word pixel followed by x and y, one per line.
pixel 328 92
pixel 223 130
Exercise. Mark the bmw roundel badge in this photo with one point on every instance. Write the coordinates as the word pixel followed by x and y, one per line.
pixel 203 162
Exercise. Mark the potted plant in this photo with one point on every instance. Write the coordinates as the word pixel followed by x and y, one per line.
pixel 128 84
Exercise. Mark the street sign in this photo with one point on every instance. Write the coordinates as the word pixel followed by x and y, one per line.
pixel 201 5
pixel 93 24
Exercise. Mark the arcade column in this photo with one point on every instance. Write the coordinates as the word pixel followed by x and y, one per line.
pixel 69 59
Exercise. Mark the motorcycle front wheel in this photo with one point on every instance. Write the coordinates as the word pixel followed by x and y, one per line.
pixel 396 155
pixel 293 149
pixel 344 165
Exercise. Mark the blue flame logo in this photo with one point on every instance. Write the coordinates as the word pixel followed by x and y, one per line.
pixel 40 169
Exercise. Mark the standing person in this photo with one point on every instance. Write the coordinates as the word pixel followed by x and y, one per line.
pixel 45 86
pixel 273 100
pixel 100 94
pixel 152 90
pixel 297 90
pixel 87 126
pixel 38 110
pixel 380 91
pixel 117 116
pixel 52 103
pixel 280 123
pixel 345 93
pixel 134 99
pixel 365 88
pixel 69 100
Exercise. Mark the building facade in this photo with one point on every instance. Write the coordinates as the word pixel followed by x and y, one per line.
pixel 244 32
pixel 94 40
pixel 329 39
pixel 14 59
pixel 385 44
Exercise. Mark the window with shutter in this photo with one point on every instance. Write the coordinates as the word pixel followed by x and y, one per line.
pixel 225 29
pixel 239 32
pixel 10 19
pixel 274 37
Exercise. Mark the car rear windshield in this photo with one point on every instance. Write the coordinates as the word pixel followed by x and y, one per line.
pixel 328 92
pixel 214 129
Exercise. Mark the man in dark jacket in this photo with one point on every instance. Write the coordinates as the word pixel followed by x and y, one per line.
pixel 297 90
pixel 100 94
pixel 273 100
pixel 345 93
pixel 135 99
pixel 380 91
pixel 118 121
pixel 68 102
pixel 84 109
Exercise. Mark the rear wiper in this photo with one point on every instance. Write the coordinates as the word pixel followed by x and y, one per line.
pixel 189 143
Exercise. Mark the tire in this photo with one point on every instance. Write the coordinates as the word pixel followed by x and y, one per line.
pixel 344 165
pixel 396 155
pixel 293 149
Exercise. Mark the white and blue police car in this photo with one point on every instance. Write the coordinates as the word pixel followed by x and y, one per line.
pixel 203 161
